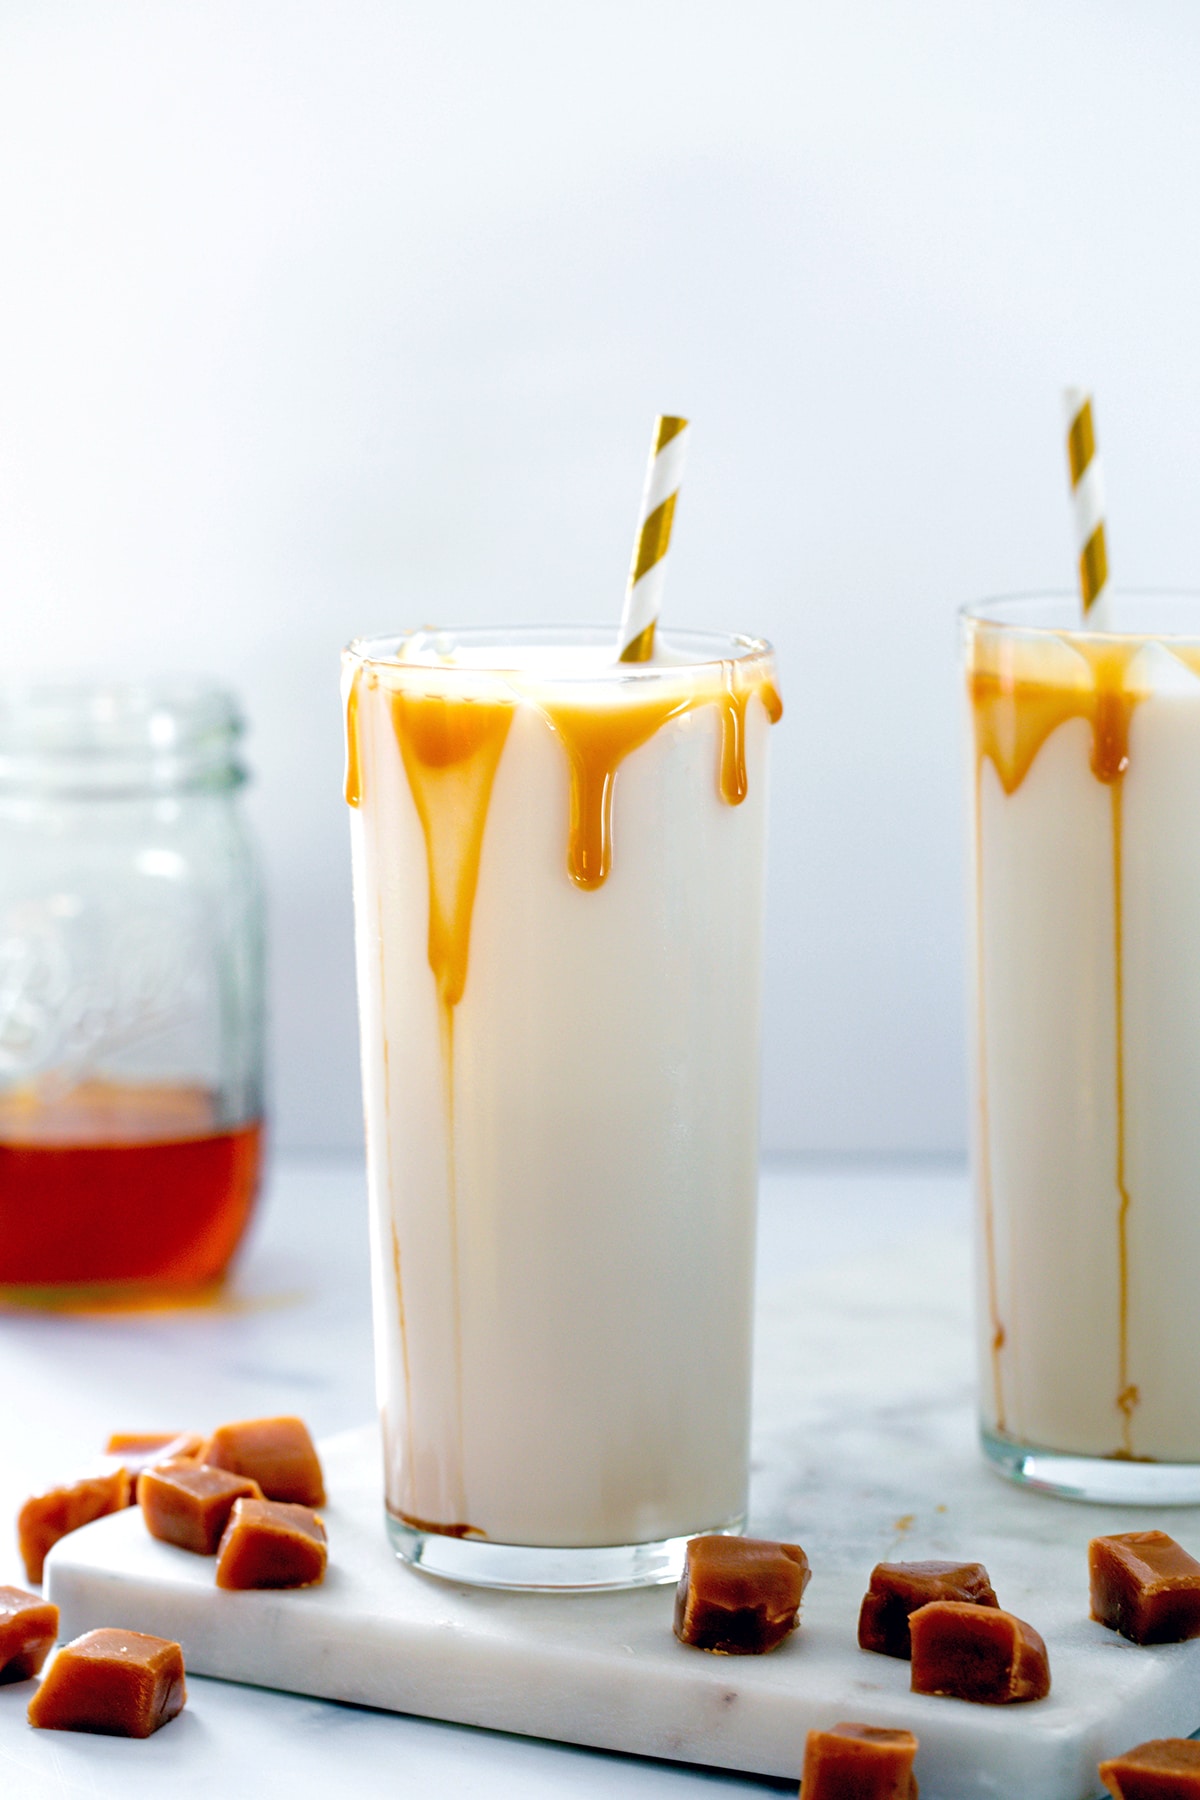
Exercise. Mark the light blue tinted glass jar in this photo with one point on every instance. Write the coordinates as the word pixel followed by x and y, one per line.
pixel 131 988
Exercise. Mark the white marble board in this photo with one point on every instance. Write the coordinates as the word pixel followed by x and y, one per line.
pixel 864 1449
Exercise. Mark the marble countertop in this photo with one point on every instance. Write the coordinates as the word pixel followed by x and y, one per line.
pixel 293 1335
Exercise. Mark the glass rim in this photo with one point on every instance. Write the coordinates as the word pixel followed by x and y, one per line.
pixel 155 716
pixel 94 738
pixel 1012 613
pixel 711 649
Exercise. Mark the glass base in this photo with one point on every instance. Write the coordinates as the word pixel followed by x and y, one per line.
pixel 479 1563
pixel 114 1296
pixel 1108 1480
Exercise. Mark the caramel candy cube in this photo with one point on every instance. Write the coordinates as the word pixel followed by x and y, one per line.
pixel 898 1589
pixel 268 1544
pixel 739 1596
pixel 47 1517
pixel 189 1504
pixel 980 1653
pixel 859 1762
pixel 1165 1769
pixel 28 1627
pixel 121 1683
pixel 1145 1586
pixel 277 1453
pixel 140 1450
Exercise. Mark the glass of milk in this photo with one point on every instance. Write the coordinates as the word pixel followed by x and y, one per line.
pixel 558 872
pixel 1085 809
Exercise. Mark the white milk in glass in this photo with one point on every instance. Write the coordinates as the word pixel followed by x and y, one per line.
pixel 558 871
pixel 1086 839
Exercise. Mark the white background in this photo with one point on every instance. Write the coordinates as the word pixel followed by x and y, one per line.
pixel 324 317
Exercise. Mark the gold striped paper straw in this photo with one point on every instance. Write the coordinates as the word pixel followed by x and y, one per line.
pixel 1087 496
pixel 643 592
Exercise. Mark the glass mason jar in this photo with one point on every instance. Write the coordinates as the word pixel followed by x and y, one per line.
pixel 131 975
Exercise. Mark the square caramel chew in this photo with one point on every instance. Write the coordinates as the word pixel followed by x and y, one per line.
pixel 189 1504
pixel 1166 1769
pixel 739 1596
pixel 119 1683
pixel 28 1628
pixel 277 1453
pixel 898 1589
pixel 859 1762
pixel 1146 1586
pixel 269 1544
pixel 45 1518
pixel 979 1653
pixel 140 1450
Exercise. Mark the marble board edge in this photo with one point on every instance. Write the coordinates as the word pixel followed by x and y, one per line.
pixel 603 1713
pixel 447 1662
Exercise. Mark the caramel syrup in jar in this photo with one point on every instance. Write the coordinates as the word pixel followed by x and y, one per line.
pixel 131 990
pixel 128 1188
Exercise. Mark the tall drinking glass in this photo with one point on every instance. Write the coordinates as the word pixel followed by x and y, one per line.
pixel 1086 835
pixel 558 866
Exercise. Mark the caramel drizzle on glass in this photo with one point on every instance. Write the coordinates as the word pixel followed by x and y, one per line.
pixel 451 751
pixel 451 747
pixel 1013 717
pixel 598 739
pixel 353 783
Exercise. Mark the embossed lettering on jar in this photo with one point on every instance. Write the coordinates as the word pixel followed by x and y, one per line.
pixel 130 990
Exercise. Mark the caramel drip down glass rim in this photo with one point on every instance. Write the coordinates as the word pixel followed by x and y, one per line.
pixel 1141 615
pixel 497 650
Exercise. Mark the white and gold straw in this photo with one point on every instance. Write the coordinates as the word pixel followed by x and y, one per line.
pixel 1087 495
pixel 643 594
